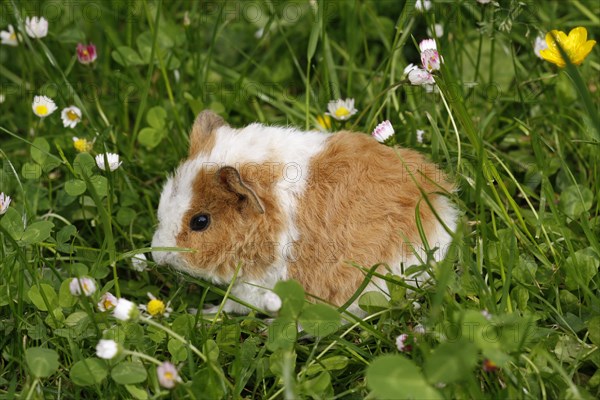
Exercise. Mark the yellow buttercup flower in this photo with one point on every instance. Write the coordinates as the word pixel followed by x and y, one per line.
pixel 575 45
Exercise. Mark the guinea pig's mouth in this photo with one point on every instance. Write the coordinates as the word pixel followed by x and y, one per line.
pixel 167 258
pixel 177 261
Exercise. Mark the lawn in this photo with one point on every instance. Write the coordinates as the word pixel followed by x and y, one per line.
pixel 512 312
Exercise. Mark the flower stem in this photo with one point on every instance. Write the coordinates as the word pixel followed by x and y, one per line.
pixel 584 96
pixel 143 356
pixel 175 335
pixel 33 386
pixel 194 349
pixel 455 130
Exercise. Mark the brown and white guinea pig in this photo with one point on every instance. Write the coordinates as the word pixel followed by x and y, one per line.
pixel 287 204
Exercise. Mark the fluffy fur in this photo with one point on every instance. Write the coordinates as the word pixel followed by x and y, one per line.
pixel 287 204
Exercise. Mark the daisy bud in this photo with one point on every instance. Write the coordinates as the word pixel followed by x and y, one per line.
pixel 125 310
pixel 36 27
pixel 4 203
pixel 383 131
pixel 86 54
pixel 107 349
pixel 113 161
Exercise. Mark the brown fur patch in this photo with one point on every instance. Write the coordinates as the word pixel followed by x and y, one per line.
pixel 359 204
pixel 202 137
pixel 238 232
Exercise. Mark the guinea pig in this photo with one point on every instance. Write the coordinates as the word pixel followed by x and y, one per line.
pixel 277 203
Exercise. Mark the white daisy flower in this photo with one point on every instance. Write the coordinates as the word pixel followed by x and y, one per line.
pixel 272 302
pixel 156 307
pixel 420 133
pixel 71 116
pixel 43 106
pixel 9 37
pixel 107 302
pixel 383 131
pixel 107 349
pixel 139 262
pixel 341 109
pixel 36 27
pixel 84 285
pixel 113 161
pixel 4 203
pixel 125 310
pixel 167 375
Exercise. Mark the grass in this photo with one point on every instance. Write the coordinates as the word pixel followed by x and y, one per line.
pixel 518 135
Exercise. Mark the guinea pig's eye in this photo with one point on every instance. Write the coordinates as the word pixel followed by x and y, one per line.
pixel 200 222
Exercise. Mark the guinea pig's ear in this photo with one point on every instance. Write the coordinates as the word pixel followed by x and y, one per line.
pixel 230 178
pixel 202 136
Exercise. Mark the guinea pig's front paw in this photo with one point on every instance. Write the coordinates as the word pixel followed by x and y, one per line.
pixel 211 309
pixel 230 307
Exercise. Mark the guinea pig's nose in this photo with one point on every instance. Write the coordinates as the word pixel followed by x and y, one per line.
pixel 158 256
